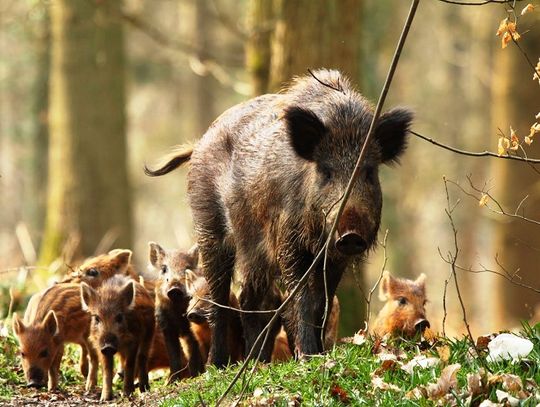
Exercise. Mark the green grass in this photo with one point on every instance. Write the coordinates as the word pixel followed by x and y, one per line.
pixel 341 377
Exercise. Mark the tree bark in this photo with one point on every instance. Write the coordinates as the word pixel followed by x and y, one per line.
pixel 89 193
pixel 516 101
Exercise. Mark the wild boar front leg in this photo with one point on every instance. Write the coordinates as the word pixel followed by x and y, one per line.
pixel 91 378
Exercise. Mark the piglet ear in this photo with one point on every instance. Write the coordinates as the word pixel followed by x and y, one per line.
pixel 155 254
pixel 391 133
pixel 128 294
pixel 122 258
pixel 18 325
pixel 51 323
pixel 384 286
pixel 88 296
pixel 305 131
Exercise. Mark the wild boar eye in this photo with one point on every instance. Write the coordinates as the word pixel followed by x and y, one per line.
pixel 119 318
pixel 97 320
pixel 402 301
pixel 93 272
pixel 326 173
pixel 22 354
pixel 44 353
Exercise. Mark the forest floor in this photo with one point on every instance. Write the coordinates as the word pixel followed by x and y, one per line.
pixel 436 371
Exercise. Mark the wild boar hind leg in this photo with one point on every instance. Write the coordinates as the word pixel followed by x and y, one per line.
pixel 218 264
pixel 258 295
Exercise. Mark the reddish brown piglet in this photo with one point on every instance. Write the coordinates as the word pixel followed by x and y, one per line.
pixel 404 312
pixel 54 317
pixel 123 321
pixel 95 270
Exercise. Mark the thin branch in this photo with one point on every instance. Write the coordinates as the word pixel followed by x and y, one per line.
pixel 157 36
pixel 383 267
pixel 452 259
pixel 476 154
pixel 500 211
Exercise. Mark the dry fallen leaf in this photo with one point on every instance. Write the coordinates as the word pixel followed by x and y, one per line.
pixel 509 382
pixel 528 140
pixel 429 335
pixel 447 381
pixel 503 396
pixel 340 393
pixel 444 353
pixel 359 338
pixel 476 383
pixel 385 366
pixel 483 341
pixel 489 403
pixel 379 383
pixel 514 139
pixel 420 361
pixel 508 30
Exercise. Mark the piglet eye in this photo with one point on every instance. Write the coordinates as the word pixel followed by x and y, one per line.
pixel 93 272
pixel 97 320
pixel 402 301
pixel 44 353
pixel 22 355
pixel 163 269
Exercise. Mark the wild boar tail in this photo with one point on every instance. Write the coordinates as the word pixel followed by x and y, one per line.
pixel 170 162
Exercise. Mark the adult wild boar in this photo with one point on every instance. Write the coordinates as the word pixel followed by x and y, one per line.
pixel 264 186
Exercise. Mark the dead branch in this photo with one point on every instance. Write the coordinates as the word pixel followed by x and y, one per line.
pixel 476 154
pixel 499 210
pixel 162 39
pixel 452 259
pixel 383 267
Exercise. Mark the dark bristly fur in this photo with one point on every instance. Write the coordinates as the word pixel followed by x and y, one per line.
pixel 172 302
pixel 263 186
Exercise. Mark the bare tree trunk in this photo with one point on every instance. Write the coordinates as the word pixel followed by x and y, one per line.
pixel 312 34
pixel 516 101
pixel 89 193
pixel 260 25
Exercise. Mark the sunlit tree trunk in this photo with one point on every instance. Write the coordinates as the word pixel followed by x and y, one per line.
pixel 516 101
pixel 260 25
pixel 311 34
pixel 89 194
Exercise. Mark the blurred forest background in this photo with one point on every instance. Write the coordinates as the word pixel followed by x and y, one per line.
pixel 91 90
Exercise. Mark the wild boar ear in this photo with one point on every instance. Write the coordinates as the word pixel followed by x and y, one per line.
pixel 391 133
pixel 193 253
pixel 305 131
pixel 122 258
pixel 128 294
pixel 50 323
pixel 384 286
pixel 17 325
pixel 88 296
pixel 156 254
